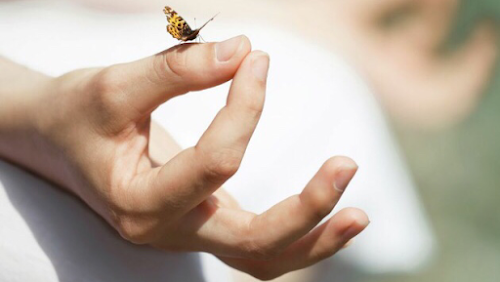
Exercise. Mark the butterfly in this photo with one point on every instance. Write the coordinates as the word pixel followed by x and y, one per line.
pixel 178 27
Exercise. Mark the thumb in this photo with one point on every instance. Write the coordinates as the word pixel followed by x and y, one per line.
pixel 149 82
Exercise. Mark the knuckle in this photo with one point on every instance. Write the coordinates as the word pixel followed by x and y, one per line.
pixel 254 247
pixel 175 62
pixel 222 164
pixel 107 99
pixel 258 250
pixel 107 88
pixel 318 202
pixel 134 221
pixel 135 231
pixel 106 81
pixel 255 107
pixel 187 62
pixel 321 205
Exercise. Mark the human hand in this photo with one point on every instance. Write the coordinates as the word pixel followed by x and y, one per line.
pixel 90 132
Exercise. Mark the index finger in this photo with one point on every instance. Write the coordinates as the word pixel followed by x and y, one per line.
pixel 194 174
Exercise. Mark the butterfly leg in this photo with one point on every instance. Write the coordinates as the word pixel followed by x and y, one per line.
pixel 195 27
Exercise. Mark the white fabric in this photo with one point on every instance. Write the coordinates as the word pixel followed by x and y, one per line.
pixel 316 107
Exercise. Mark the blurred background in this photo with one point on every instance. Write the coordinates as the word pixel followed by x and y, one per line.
pixel 457 170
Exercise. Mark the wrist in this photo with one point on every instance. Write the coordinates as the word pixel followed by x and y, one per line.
pixel 21 89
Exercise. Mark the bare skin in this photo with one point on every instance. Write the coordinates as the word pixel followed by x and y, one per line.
pixel 90 132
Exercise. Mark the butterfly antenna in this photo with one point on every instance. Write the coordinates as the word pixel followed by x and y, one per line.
pixel 209 21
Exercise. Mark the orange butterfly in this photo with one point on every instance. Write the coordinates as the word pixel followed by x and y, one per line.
pixel 178 27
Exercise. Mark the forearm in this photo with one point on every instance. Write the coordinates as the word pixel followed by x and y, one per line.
pixel 20 90
pixel 39 129
pixel 17 83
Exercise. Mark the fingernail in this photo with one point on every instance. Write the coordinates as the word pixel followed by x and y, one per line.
pixel 260 66
pixel 344 176
pixel 225 50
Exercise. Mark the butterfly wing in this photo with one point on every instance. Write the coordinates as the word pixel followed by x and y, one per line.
pixel 178 27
